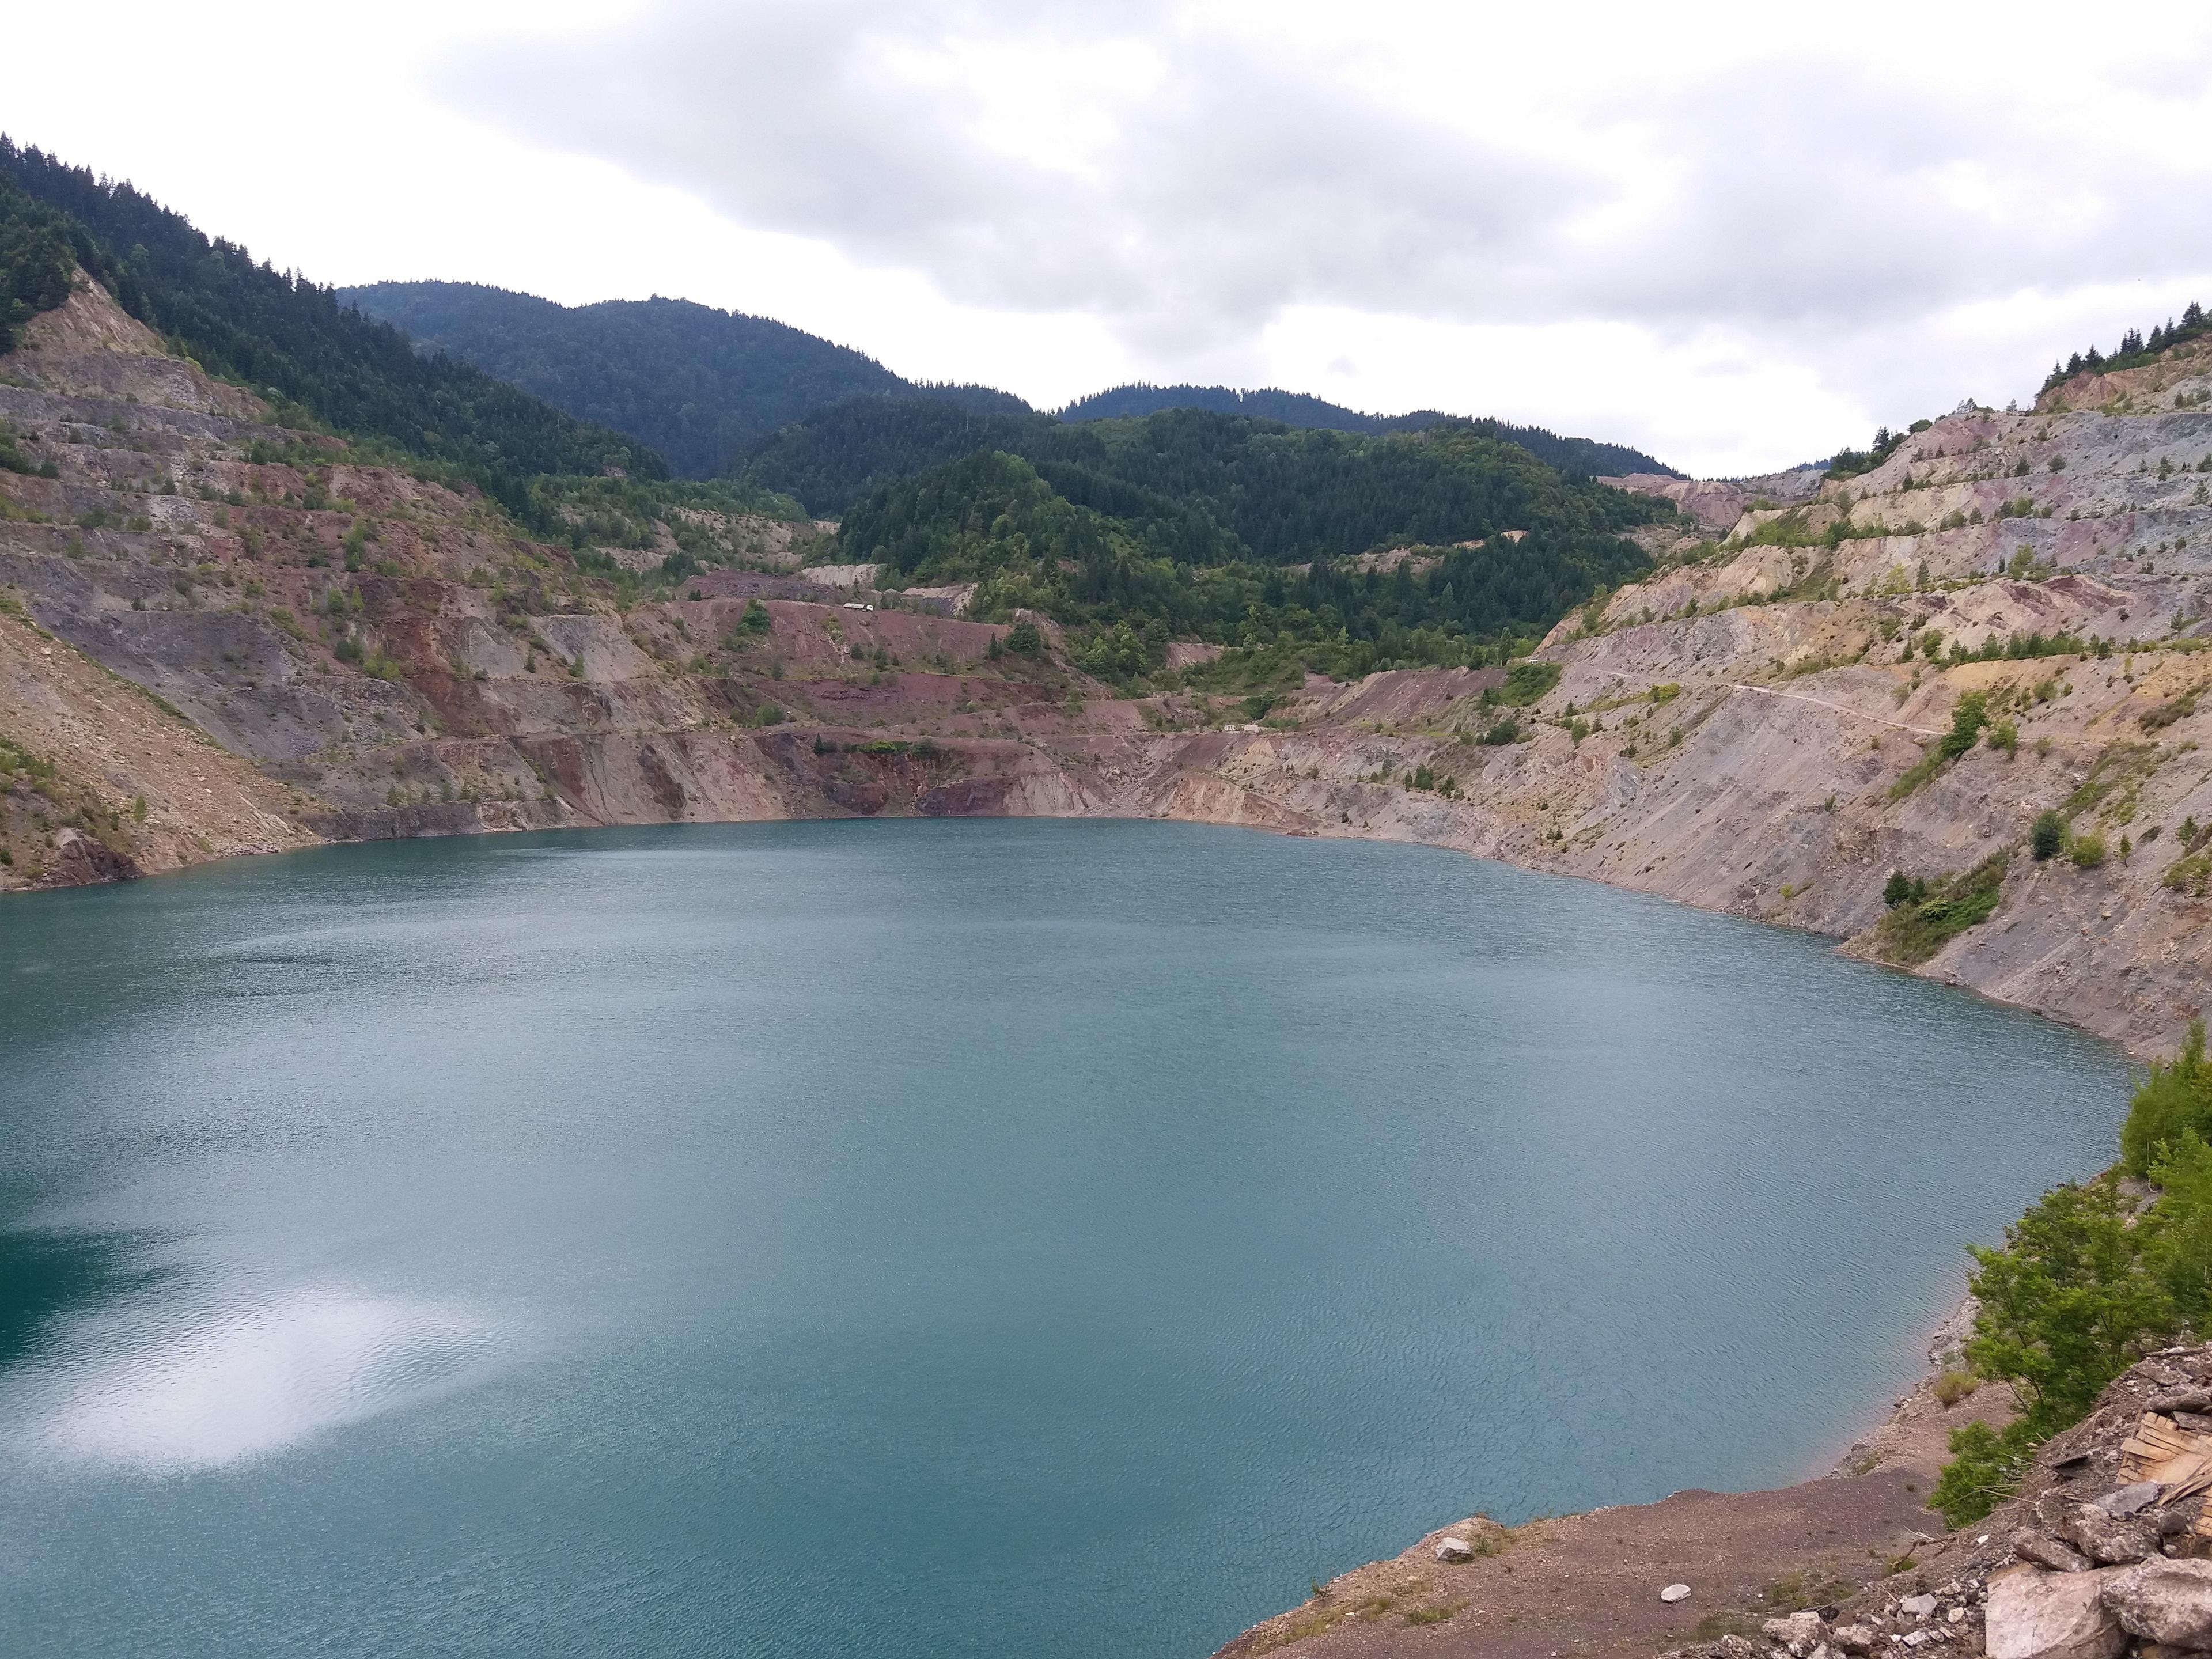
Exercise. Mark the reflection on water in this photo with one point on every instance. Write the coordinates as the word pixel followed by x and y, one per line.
pixel 157 1386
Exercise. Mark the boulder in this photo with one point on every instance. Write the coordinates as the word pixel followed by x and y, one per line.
pixel 2165 1601
pixel 1918 1606
pixel 1675 1593
pixel 2128 1500
pixel 2048 1553
pixel 2170 1523
pixel 1454 1549
pixel 2106 1538
pixel 2053 1615
pixel 1855 1639
pixel 1801 1632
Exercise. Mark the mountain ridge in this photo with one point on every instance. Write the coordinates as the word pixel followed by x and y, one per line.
pixel 696 383
pixel 704 386
pixel 1301 409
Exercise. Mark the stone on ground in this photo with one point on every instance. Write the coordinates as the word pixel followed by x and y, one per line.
pixel 2053 1615
pixel 2166 1601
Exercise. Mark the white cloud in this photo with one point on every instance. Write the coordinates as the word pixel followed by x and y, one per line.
pixel 1737 236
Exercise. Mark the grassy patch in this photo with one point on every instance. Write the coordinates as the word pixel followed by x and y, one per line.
pixel 1917 927
pixel 1968 716
pixel 1952 1386
pixel 2173 709
pixel 1318 1623
pixel 2191 875
pixel 1805 1588
pixel 1433 1615
pixel 1923 769
pixel 1525 683
pixel 2120 764
pixel 1714 1626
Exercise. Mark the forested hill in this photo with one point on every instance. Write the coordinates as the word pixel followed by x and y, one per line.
pixel 1185 522
pixel 1586 455
pixel 280 333
pixel 836 456
pixel 697 384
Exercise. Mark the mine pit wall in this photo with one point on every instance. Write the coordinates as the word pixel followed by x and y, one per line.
pixel 1729 737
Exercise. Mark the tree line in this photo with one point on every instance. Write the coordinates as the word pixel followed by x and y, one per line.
pixel 997 521
pixel 2136 348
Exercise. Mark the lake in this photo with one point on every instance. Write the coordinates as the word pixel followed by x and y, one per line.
pixel 925 1238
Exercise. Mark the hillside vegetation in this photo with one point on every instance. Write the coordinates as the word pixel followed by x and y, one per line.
pixel 704 386
pixel 836 456
pixel 1301 409
pixel 40 249
pixel 697 384
pixel 1183 524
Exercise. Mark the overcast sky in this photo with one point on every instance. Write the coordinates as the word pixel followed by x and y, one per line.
pixel 1734 236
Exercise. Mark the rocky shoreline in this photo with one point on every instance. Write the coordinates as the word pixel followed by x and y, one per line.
pixel 2102 1552
pixel 1570 1584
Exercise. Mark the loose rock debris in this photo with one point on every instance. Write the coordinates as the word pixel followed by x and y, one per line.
pixel 2105 1552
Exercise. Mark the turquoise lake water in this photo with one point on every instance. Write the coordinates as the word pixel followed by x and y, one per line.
pixel 903 1239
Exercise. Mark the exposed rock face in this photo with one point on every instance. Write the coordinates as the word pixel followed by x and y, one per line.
pixel 2036 1615
pixel 1731 737
pixel 1716 504
pixel 2103 1537
pixel 2166 1601
pixel 2047 1551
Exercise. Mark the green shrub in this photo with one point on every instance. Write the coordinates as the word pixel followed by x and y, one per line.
pixel 1984 1470
pixel 1968 716
pixel 2088 852
pixel 2178 1231
pixel 1024 639
pixel 1950 1386
pixel 2078 1293
pixel 1525 683
pixel 1925 916
pixel 2066 1305
pixel 2047 837
pixel 2174 1100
